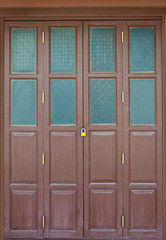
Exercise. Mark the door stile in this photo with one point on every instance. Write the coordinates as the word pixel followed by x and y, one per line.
pixel 23 191
pixel 100 192
pixel 63 194
pixel 142 195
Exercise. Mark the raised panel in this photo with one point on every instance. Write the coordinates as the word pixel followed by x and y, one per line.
pixel 103 209
pixel 103 157
pixel 23 157
pixel 63 157
pixel 63 210
pixel 143 157
pixel 143 209
pixel 23 214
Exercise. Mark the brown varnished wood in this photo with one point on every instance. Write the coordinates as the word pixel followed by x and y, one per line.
pixel 142 174
pixel 1 124
pixel 102 152
pixel 164 116
pixel 82 13
pixel 23 171
pixel 85 3
pixel 63 146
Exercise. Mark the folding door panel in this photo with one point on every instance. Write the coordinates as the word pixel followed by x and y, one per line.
pixel 142 113
pixel 63 173
pixel 23 130
pixel 103 122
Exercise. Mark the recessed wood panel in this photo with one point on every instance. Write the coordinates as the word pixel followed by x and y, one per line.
pixel 143 209
pixel 63 210
pixel 23 157
pixel 23 214
pixel 103 162
pixel 103 209
pixel 63 157
pixel 143 157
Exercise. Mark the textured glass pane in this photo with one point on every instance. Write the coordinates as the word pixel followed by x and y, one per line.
pixel 142 101
pixel 102 49
pixel 63 49
pixel 142 49
pixel 23 50
pixel 23 102
pixel 102 101
pixel 63 101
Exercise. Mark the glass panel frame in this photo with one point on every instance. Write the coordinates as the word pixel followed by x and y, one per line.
pixel 73 119
pixel 35 52
pixel 113 47
pixel 144 105
pixel 31 99
pixel 74 62
pixel 153 57
pixel 114 105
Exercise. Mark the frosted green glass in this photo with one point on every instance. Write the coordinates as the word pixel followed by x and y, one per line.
pixel 102 49
pixel 23 102
pixel 142 49
pixel 63 49
pixel 23 50
pixel 102 101
pixel 142 101
pixel 63 102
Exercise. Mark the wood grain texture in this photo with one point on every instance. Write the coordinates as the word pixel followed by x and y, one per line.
pixel 1 128
pixel 82 3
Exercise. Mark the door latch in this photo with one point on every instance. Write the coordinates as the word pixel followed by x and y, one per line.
pixel 83 132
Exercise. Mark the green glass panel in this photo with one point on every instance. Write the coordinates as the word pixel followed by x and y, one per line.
pixel 102 49
pixel 142 49
pixel 63 49
pixel 142 101
pixel 23 50
pixel 102 101
pixel 63 101
pixel 23 102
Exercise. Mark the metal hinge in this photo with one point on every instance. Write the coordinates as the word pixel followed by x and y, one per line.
pixel 123 222
pixel 43 222
pixel 123 97
pixel 43 37
pixel 43 158
pixel 43 97
pixel 123 158
pixel 122 37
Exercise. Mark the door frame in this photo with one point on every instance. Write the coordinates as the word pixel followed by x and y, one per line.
pixel 82 14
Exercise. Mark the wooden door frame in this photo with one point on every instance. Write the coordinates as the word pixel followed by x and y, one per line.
pixel 101 13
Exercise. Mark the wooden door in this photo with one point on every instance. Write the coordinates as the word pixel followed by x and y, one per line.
pixel 63 145
pixel 83 186
pixel 142 129
pixel 23 134
pixel 103 122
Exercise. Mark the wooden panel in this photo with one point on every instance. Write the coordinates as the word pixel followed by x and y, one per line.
pixel 1 123
pixel 66 219
pixel 23 157
pixel 23 210
pixel 85 3
pixel 143 149
pixel 103 160
pixel 142 157
pixel 63 144
pixel 143 209
pixel 63 163
pixel 23 147
pixel 103 143
pixel 103 209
